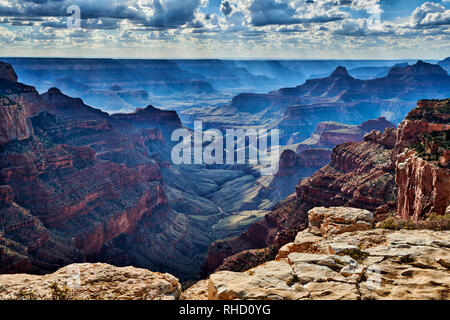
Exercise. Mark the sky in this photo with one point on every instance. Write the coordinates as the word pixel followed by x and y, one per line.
pixel 227 29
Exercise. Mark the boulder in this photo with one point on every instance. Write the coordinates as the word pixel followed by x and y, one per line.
pixel 336 220
pixel 274 280
pixel 91 282
pixel 198 291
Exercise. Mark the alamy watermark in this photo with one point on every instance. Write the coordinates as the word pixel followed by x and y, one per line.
pixel 239 146
pixel 73 277
pixel 74 20
pixel 374 20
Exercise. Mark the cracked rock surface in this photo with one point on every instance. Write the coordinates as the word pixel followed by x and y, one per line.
pixel 87 281
pixel 370 264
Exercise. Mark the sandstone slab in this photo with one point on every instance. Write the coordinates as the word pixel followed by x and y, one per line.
pixel 336 220
pixel 91 282
pixel 371 264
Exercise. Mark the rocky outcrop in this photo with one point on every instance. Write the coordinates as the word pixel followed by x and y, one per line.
pixel 429 116
pixel 6 196
pixel 337 220
pixel 91 282
pixel 290 161
pixel 151 117
pixel 360 175
pixel 330 134
pixel 21 94
pixel 13 122
pixel 422 166
pixel 357 265
pixel 387 139
pixel 7 72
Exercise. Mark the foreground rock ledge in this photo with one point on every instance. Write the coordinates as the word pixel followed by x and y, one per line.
pixel 373 264
pixel 91 282
pixel 326 262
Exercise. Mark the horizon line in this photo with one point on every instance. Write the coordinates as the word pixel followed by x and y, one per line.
pixel 218 58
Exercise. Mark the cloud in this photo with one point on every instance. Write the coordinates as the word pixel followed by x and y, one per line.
pixel 151 13
pixel 283 26
pixel 430 14
pixel 171 13
pixel 261 13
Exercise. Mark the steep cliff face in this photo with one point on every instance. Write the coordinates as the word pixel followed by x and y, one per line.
pixel 21 94
pixel 7 72
pixel 424 187
pixel 13 122
pixel 291 161
pixel 82 200
pixel 80 178
pixel 422 165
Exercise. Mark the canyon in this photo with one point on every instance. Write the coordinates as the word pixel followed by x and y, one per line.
pixel 382 174
pixel 80 185
pixel 100 187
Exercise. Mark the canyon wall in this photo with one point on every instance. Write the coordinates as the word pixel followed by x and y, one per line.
pixel 72 178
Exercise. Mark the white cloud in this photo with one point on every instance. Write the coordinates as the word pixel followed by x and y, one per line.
pixel 430 14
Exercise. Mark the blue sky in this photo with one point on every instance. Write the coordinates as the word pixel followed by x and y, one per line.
pixel 291 29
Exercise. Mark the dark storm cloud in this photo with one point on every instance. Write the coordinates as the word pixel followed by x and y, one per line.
pixel 157 13
pixel 172 14
pixel 271 12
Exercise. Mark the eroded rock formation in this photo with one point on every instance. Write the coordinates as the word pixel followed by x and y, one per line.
pixel 370 264
pixel 422 163
pixel 91 282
